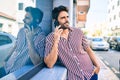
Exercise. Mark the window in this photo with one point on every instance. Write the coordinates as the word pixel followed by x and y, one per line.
pixel 20 6
pixel 118 3
pixel 114 17
pixel 113 8
pixel 110 19
pixel 4 40
pixel 33 1
pixel 119 14
pixel 97 39
pixel 81 12
pixel 1 26
pixel 109 11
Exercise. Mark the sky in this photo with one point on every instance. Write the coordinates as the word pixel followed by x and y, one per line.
pixel 97 12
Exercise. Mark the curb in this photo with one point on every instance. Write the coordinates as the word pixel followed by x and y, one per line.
pixel 105 72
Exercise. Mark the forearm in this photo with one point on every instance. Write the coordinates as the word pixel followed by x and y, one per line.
pixel 10 53
pixel 93 57
pixel 51 58
pixel 33 54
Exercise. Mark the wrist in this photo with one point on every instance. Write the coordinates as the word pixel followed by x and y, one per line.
pixel 56 41
pixel 56 44
pixel 98 66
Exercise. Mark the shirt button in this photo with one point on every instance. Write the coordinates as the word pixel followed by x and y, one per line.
pixel 74 56
pixel 81 70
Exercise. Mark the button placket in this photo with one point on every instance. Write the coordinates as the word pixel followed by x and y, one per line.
pixel 70 49
pixel 77 61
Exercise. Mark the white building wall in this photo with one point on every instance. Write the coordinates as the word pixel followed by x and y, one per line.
pixel 8 6
pixel 6 22
pixel 114 15
pixel 11 8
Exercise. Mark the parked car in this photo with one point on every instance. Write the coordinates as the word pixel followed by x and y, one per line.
pixel 117 40
pixel 112 42
pixel 7 41
pixel 98 43
pixel 115 43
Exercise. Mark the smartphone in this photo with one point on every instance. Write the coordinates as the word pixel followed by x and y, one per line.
pixel 33 24
pixel 56 23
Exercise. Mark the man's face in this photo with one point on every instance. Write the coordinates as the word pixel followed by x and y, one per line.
pixel 63 19
pixel 28 19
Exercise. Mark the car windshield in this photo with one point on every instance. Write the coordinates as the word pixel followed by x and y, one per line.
pixel 97 39
pixel 118 38
pixel 4 40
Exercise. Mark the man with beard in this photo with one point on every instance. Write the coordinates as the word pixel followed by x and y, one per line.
pixel 29 48
pixel 70 47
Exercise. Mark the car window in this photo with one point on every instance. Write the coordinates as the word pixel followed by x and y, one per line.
pixel 4 40
pixel 97 39
pixel 118 39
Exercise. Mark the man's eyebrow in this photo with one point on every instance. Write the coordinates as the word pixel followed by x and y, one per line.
pixel 64 17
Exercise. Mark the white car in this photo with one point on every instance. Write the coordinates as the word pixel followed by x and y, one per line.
pixel 98 43
pixel 7 41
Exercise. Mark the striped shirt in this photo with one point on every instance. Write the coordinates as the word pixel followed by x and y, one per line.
pixel 72 54
pixel 20 57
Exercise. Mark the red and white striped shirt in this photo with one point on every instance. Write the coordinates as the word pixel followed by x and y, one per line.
pixel 72 54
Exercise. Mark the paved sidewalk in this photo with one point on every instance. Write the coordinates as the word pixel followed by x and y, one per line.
pixel 106 73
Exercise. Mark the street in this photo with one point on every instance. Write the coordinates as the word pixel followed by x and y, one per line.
pixel 111 58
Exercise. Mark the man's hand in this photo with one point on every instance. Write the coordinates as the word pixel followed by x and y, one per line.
pixel 32 52
pixel 96 70
pixel 57 34
pixel 29 33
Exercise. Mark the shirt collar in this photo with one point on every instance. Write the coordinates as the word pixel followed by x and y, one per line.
pixel 71 29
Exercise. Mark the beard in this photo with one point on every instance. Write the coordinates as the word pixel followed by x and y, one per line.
pixel 65 26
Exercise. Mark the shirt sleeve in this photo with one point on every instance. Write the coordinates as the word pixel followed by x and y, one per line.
pixel 40 44
pixel 84 42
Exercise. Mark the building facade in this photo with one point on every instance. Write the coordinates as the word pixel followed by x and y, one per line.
pixel 7 16
pixel 20 13
pixel 114 16
pixel 12 14
pixel 82 10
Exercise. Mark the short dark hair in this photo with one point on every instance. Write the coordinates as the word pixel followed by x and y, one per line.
pixel 57 10
pixel 35 12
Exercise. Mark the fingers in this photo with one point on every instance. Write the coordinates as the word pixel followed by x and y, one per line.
pixel 96 71
pixel 57 28
pixel 93 72
pixel 26 30
pixel 60 31
pixel 28 27
pixel 32 29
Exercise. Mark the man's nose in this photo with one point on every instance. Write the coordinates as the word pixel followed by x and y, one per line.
pixel 67 19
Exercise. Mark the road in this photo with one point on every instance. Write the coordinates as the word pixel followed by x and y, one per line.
pixel 112 59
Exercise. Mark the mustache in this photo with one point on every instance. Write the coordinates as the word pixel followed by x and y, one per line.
pixel 63 27
pixel 66 22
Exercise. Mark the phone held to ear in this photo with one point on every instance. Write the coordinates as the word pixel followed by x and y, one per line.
pixel 56 23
